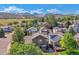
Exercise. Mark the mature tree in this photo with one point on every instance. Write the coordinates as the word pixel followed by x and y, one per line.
pixel 15 22
pixel 10 23
pixel 68 42
pixel 55 23
pixel 72 31
pixel 25 49
pixel 45 19
pixel 23 21
pixel 67 24
pixel 52 20
pixel 30 23
pixel 25 30
pixel 2 33
pixel 32 49
pixel 35 22
pixel 18 34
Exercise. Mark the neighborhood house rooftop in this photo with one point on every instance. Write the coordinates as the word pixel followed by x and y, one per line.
pixel 55 37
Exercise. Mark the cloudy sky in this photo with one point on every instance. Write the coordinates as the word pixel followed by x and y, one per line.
pixel 40 8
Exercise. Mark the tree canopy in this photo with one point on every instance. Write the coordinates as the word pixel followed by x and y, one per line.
pixel 71 30
pixel 68 42
pixel 18 35
pixel 2 33
pixel 25 49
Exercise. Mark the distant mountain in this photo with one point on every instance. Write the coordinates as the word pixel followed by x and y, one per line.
pixel 14 16
pixel 19 15
pixel 8 16
pixel 27 15
pixel 39 15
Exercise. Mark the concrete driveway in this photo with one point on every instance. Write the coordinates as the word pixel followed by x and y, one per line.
pixel 5 44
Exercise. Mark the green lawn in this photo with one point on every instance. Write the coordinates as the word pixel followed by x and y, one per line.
pixel 7 21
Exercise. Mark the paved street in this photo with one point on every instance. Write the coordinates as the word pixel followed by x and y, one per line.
pixel 5 44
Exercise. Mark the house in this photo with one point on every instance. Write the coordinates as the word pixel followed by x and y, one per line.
pixel 55 38
pixel 40 39
pixel 61 34
pixel 61 25
pixel 32 30
pixel 7 28
pixel 57 29
pixel 44 30
pixel 75 27
pixel 43 41
pixel 76 37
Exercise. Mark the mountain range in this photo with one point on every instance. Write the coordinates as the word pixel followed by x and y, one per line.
pixel 4 15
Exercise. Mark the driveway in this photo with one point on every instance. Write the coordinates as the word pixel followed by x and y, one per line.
pixel 5 44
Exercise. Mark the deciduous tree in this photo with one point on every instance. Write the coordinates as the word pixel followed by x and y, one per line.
pixel 18 34
pixel 68 42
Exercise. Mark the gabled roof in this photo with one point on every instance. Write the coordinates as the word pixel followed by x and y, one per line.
pixel 39 34
pixel 43 29
pixel 32 29
pixel 54 37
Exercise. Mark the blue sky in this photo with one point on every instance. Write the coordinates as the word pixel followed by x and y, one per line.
pixel 40 8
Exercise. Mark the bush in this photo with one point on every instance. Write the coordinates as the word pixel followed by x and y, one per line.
pixel 2 33
pixel 74 52
pixel 18 35
pixel 24 49
pixel 25 30
pixel 10 23
pixel 23 21
pixel 63 53
pixel 68 42
pixel 15 22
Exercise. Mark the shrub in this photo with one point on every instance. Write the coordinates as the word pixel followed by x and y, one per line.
pixel 24 49
pixel 2 33
pixel 18 35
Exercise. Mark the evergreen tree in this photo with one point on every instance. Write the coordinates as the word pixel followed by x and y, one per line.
pixel 2 33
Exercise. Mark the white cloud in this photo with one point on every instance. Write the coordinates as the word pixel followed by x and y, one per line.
pixel 53 11
pixel 13 9
pixel 38 11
